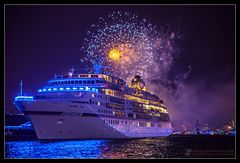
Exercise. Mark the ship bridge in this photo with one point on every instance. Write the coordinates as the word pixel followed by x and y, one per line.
pixel 82 82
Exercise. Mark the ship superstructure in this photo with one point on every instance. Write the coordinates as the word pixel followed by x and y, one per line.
pixel 89 106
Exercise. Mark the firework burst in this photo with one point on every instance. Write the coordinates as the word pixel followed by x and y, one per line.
pixel 129 46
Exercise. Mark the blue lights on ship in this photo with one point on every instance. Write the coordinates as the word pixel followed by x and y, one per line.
pixel 88 89
pixel 24 98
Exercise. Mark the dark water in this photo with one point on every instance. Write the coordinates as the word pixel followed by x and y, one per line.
pixel 171 147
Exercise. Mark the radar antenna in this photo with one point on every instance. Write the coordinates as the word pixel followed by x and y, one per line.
pixel 71 71
pixel 98 67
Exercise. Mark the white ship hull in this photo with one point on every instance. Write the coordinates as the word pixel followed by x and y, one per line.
pixel 95 106
pixel 56 120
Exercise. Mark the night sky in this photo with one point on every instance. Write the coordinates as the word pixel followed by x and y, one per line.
pixel 41 40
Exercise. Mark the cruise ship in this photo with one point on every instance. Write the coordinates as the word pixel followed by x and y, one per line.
pixel 95 106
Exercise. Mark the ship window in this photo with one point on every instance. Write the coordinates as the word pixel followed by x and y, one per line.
pixel 92 81
pixel 152 124
pixel 65 82
pixel 68 81
pixel 84 81
pixel 130 115
pixel 72 82
pixel 62 82
pixel 88 81
pixel 75 82
pixel 97 81
pixel 80 81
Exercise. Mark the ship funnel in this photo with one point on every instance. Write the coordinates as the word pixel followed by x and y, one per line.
pixel 138 83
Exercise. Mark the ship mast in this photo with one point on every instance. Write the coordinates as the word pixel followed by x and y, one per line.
pixel 72 71
pixel 98 67
pixel 21 84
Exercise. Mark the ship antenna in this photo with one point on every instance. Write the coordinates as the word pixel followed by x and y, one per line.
pixel 72 71
pixel 98 66
pixel 21 84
